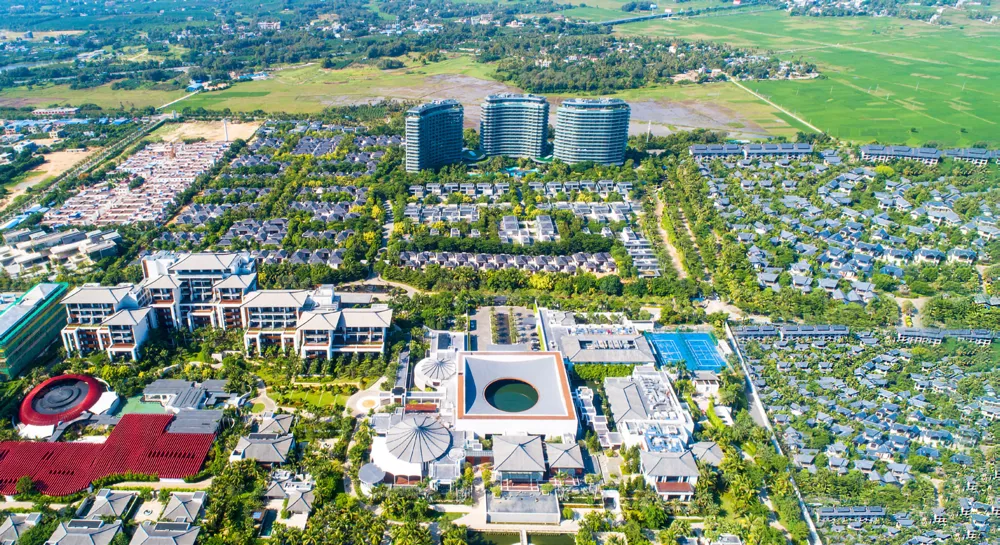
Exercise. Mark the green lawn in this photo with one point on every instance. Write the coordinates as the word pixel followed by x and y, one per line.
pixel 883 77
pixel 313 396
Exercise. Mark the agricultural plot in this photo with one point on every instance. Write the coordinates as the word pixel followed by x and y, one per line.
pixel 884 79
pixel 103 96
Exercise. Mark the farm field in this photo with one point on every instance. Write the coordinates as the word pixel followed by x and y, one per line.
pixel 885 79
pixel 607 10
pixel 103 96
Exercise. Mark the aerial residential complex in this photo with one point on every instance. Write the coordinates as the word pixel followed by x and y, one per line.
pixel 514 125
pixel 218 290
pixel 152 179
pixel 590 129
pixel 433 135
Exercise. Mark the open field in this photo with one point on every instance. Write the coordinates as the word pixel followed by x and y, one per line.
pixel 669 108
pixel 886 79
pixel 38 35
pixel 55 164
pixel 607 10
pixel 103 96
pixel 209 130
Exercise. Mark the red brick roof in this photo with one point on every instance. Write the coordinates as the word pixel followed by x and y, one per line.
pixel 138 444
pixel 674 488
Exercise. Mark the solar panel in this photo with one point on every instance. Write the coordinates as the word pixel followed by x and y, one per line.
pixel 85 524
pixel 171 526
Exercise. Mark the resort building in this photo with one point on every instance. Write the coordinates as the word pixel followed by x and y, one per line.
pixel 28 326
pixel 592 130
pixel 503 393
pixel 977 156
pixel 434 135
pixel 113 319
pixel 876 153
pixel 646 409
pixel 514 125
pixel 76 532
pixel 219 290
pixel 192 290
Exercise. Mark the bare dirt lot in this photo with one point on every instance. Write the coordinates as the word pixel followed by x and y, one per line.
pixel 468 90
pixel 209 130
pixel 689 114
pixel 55 164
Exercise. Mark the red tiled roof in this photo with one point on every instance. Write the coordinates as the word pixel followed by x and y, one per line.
pixel 29 415
pixel 138 444
pixel 674 488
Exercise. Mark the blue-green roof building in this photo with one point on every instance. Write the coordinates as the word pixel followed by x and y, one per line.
pixel 29 325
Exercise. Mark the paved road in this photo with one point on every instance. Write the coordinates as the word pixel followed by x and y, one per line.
pixel 200 485
pixel 262 398
pixel 354 402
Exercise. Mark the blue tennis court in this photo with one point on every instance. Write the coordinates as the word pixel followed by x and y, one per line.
pixel 697 350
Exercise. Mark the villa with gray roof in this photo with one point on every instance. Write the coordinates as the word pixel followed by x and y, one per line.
pixel 84 532
pixel 268 449
pixel 165 533
pixel 111 503
pixel 14 526
pixel 184 506
pixel 673 474
pixel 519 458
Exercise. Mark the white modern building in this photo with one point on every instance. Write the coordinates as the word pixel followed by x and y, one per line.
pixel 505 393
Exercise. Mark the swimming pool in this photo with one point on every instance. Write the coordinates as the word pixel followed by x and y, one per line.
pixel 697 350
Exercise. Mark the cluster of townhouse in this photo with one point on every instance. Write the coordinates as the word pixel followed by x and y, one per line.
pixel 641 251
pixel 600 262
pixel 866 422
pixel 872 153
pixel 836 247
pixel 219 290
pixel 604 188
pixel 165 169
pixel 877 153
pixel 429 214
pixel 524 233
pixel 31 251
pixel 199 214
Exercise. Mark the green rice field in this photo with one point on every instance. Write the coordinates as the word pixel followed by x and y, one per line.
pixel 884 79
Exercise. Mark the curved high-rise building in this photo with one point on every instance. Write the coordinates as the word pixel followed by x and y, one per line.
pixel 592 129
pixel 434 135
pixel 514 125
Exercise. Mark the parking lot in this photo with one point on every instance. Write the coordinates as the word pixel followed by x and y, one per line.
pixel 516 329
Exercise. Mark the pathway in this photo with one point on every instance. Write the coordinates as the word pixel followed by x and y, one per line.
pixel 675 255
pixel 379 281
pixel 364 400
pixel 171 485
pixel 263 399
pixel 172 102
pixel 779 108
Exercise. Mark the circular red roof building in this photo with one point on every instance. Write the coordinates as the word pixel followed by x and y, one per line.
pixel 60 399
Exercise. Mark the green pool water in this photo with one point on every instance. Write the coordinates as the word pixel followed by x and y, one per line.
pixel 511 395
pixel 135 405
